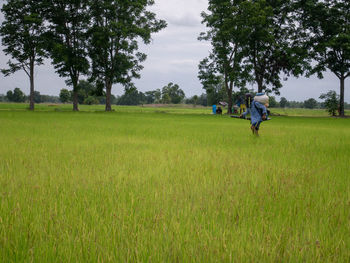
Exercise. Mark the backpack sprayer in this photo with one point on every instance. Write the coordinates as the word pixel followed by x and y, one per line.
pixel 248 118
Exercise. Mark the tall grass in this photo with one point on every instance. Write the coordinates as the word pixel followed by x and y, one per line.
pixel 166 108
pixel 145 186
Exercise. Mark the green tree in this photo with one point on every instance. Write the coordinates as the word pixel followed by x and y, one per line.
pixel 131 97
pixel 195 100
pixel 272 45
pixel 172 94
pixel 203 99
pixel 51 99
pixel 295 104
pixel 273 103
pixel 283 102
pixel 253 41
pixel 37 97
pixel 328 25
pixel 91 100
pixel 216 92
pixel 226 34
pixel 310 103
pixel 166 98
pixel 22 36
pixel 68 24
pixel 158 96
pixel 331 101
pixel 85 90
pixel 65 95
pixel 153 96
pixel 117 27
pixel 9 95
pixel 16 96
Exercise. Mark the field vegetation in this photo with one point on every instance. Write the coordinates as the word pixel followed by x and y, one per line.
pixel 159 108
pixel 172 184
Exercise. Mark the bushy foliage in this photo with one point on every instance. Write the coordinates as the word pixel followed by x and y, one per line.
pixel 273 102
pixel 21 34
pixel 131 97
pixel 65 96
pixel 331 102
pixel 37 97
pixel 153 96
pixel 49 98
pixel 91 100
pixel 16 96
pixel 88 93
pixel 284 102
pixel 87 89
pixel 310 103
pixel 198 100
pixel 172 93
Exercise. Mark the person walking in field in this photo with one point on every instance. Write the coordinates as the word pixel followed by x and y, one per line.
pixel 242 106
pixel 258 112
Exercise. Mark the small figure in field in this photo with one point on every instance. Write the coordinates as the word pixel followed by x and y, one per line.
pixel 248 101
pixel 242 106
pixel 219 110
pixel 214 109
pixel 258 112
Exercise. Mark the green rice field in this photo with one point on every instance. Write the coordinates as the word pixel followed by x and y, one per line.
pixel 172 184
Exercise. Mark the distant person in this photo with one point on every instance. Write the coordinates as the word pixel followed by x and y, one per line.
pixel 242 106
pixel 258 113
pixel 214 109
pixel 248 102
pixel 219 110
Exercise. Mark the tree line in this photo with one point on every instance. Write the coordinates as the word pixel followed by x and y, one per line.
pixel 260 41
pixel 87 95
pixel 266 41
pixel 98 39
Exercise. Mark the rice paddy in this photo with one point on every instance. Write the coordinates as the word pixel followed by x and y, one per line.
pixel 145 184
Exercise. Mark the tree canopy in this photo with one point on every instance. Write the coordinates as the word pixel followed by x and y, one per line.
pixel 22 36
pixel 117 26
pixel 226 34
pixel 331 102
pixel 16 96
pixel 67 42
pixel 327 23
pixel 172 93
pixel 252 41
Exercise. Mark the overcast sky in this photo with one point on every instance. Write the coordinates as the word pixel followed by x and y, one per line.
pixel 173 56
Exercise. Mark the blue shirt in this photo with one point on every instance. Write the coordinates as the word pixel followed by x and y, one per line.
pixel 257 110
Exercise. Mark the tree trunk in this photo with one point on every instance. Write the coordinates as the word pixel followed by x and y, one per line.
pixel 228 87
pixel 75 94
pixel 75 100
pixel 260 85
pixel 229 95
pixel 31 78
pixel 108 96
pixel 341 102
pixel 229 110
